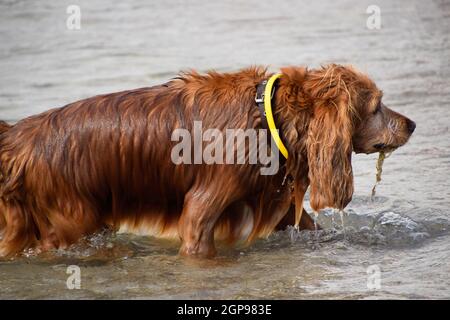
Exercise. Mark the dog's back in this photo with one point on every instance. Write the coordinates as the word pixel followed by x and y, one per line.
pixel 106 161
pixel 65 171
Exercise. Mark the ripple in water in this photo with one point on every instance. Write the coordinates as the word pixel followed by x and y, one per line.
pixel 386 228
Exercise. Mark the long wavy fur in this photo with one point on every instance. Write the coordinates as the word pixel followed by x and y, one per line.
pixel 105 161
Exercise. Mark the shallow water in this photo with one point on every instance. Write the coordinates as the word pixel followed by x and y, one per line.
pixel 404 232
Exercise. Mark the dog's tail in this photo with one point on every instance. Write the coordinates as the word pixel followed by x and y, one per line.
pixel 4 126
pixel 17 237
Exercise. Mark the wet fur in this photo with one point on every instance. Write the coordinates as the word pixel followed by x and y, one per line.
pixel 105 161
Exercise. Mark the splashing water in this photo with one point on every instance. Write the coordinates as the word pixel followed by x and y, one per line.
pixel 341 214
pixel 332 219
pixel 316 216
pixel 316 229
pixel 294 232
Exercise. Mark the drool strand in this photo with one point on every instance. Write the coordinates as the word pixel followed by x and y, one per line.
pixel 379 168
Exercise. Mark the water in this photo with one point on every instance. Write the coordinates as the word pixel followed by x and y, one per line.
pixel 404 230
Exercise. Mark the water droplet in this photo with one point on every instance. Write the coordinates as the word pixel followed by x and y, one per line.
pixel 341 213
pixel 316 215
pixel 333 212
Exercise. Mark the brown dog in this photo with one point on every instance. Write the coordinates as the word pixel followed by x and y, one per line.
pixel 106 160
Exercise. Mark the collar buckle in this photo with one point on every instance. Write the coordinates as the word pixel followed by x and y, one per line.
pixel 259 97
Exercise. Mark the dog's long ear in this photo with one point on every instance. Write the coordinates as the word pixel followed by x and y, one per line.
pixel 329 141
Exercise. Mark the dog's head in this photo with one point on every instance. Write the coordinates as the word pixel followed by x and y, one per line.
pixel 347 115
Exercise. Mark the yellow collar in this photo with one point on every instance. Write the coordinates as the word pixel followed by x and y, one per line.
pixel 269 116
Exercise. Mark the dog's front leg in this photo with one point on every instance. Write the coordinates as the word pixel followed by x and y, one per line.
pixel 196 225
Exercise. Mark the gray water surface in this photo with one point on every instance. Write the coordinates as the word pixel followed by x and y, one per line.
pixel 404 231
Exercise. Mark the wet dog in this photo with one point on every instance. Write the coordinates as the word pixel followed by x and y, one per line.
pixel 106 161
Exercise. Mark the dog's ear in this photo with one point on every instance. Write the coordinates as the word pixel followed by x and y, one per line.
pixel 329 141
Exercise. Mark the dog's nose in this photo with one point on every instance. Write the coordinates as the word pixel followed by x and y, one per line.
pixel 411 126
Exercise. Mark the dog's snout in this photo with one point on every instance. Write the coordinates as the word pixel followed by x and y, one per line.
pixel 411 126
